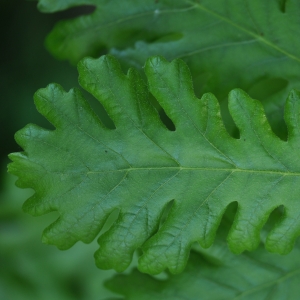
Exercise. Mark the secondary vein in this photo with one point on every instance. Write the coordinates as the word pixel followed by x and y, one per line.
pixel 256 36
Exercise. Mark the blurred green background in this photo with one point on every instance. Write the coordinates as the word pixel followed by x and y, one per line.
pixel 28 268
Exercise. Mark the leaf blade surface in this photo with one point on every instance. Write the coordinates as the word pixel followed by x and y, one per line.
pixel 85 171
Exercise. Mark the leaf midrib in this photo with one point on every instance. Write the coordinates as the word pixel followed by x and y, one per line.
pixel 256 36
pixel 199 169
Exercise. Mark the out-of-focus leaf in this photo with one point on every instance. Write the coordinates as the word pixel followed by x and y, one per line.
pixel 227 44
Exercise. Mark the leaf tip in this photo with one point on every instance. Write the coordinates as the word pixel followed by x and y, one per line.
pixel 236 95
pixel 155 62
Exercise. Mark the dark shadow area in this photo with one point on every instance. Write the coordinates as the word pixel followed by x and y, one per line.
pixel 227 220
pixel 99 110
pixel 228 120
pixel 272 93
pixel 274 217
pixel 162 114
pixel 282 5
pixel 166 120
pixel 26 66
pixel 165 213
pixel 75 12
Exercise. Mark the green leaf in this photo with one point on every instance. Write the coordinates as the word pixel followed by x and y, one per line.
pixel 86 171
pixel 251 44
pixel 217 274
pixel 256 275
pixel 225 43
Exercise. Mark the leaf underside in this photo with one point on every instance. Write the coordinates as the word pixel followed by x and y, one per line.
pixel 86 171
